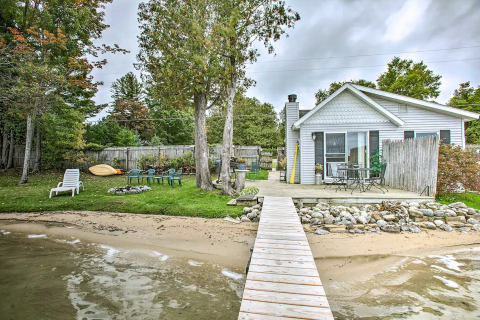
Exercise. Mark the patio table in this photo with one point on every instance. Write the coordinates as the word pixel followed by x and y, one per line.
pixel 359 177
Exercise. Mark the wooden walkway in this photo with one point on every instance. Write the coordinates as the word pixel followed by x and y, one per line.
pixel 283 281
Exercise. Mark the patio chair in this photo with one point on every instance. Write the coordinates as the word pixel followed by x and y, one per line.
pixel 337 175
pixel 132 174
pixel 149 175
pixel 71 182
pixel 254 170
pixel 163 175
pixel 378 182
pixel 175 176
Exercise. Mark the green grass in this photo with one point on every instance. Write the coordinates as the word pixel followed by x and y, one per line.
pixel 470 199
pixel 186 200
pixel 274 164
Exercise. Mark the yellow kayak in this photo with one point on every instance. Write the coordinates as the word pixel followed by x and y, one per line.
pixel 102 170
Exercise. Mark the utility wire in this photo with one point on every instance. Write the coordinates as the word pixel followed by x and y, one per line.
pixel 191 118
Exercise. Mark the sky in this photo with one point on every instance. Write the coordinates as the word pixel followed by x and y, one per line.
pixel 357 37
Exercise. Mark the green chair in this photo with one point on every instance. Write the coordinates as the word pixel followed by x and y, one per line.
pixel 132 174
pixel 163 175
pixel 175 176
pixel 254 170
pixel 149 175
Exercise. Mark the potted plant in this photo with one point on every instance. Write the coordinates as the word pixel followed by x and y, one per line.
pixel 318 173
pixel 242 163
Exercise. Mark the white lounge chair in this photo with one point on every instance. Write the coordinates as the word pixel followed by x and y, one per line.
pixel 71 182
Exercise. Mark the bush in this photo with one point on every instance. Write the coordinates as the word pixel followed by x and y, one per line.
pixel 457 168
pixel 94 147
pixel 249 190
pixel 145 160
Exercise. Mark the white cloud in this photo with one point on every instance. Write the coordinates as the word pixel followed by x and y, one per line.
pixel 403 22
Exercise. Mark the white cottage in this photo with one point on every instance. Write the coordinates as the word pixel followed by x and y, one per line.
pixel 349 126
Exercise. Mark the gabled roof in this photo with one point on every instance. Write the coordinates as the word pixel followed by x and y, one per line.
pixel 390 116
pixel 467 115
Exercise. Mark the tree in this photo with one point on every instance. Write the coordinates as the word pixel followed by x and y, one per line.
pixel 323 94
pixel 240 24
pixel 108 133
pixel 131 114
pixel 410 79
pixel 467 98
pixel 182 68
pixel 256 124
pixel 175 126
pixel 127 87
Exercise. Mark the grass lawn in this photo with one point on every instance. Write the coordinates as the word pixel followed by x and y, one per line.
pixel 186 200
pixel 470 199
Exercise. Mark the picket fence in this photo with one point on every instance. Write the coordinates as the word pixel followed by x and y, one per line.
pixel 412 164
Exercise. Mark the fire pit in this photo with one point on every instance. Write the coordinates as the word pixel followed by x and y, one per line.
pixel 129 190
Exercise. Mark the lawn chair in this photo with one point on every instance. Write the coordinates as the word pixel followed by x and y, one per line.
pixel 71 182
pixel 163 175
pixel 378 182
pixel 175 176
pixel 149 177
pixel 132 174
pixel 254 170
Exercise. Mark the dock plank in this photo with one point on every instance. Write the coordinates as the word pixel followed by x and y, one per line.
pixel 286 310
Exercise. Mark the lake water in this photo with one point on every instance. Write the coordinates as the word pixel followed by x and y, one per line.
pixel 42 277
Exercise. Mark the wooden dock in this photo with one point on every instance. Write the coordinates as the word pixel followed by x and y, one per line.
pixel 283 281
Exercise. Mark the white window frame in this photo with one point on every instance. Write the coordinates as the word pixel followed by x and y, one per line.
pixel 427 131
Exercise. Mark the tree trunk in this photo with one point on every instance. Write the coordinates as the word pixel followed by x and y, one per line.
pixel 227 139
pixel 11 150
pixel 28 146
pixel 4 147
pixel 203 179
pixel 38 146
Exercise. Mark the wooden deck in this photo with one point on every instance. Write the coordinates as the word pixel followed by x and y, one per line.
pixel 283 281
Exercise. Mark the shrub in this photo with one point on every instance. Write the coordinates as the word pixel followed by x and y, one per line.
pixel 457 168
pixel 375 163
pixel 282 163
pixel 116 162
pixel 145 160
pixel 94 147
pixel 249 190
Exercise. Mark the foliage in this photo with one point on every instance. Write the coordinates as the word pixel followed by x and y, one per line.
pixel 108 133
pixel 254 129
pixel 175 126
pixel 470 199
pixel 318 167
pixel 155 142
pixel 376 162
pixel 241 160
pixel 127 111
pixel 94 147
pixel 145 161
pixel 283 163
pixel 162 162
pixel 457 168
pixel 464 95
pixel 410 79
pixel 127 87
pixel 249 190
pixel 116 162
pixel 323 94
pixel 187 200
pixel 185 162
pixel 272 150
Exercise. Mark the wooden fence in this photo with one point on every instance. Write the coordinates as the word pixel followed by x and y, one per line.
pixel 412 164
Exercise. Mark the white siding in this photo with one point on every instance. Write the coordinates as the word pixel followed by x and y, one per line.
pixel 347 107
pixel 420 120
pixel 291 139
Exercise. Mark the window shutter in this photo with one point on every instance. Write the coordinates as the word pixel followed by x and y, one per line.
pixel 408 134
pixel 374 141
pixel 319 149
pixel 445 137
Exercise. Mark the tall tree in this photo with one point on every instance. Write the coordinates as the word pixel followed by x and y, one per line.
pixel 132 114
pixel 410 79
pixel 183 69
pixel 241 23
pixel 323 94
pixel 127 87
pixel 467 97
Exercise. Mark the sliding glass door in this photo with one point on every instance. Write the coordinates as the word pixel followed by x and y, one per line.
pixel 335 146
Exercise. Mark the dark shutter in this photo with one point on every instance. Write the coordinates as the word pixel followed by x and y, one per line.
pixel 408 134
pixel 374 141
pixel 319 149
pixel 444 136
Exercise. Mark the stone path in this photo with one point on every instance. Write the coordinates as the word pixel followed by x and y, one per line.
pixel 283 281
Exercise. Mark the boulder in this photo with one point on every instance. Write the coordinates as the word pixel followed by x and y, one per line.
pixel 321 232
pixel 472 221
pixel 377 216
pixel 305 220
pixel 450 213
pixel 317 214
pixel 457 219
pixel 438 223
pixel 304 210
pixel 389 217
pixel 476 227
pixel 316 221
pixel 245 219
pixel 381 223
pixel 356 231
pixel 404 204
pixel 426 212
pixel 362 220
pixel 471 211
pixel 251 215
pixel 432 205
pixel 439 213
pixel 257 206
pixel 335 211
pixel 247 210
pixel 392 228
pixel 328 219
pixel 444 207
pixel 414 204
pixel 404 227
pixel 458 205
pixel 430 225
pixel 464 229
pixel 446 227
pixel 414 228
pixel 414 213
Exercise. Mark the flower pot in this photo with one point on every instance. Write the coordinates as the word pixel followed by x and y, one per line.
pixel 242 166
pixel 318 179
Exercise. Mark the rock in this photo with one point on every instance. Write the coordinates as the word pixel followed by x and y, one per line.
pixel 305 220
pixel 247 210
pixel 471 211
pixel 472 221
pixel 414 213
pixel 328 219
pixel 245 219
pixel 308 216
pixel 316 221
pixel 256 219
pixel 392 228
pixel 414 204
pixel 426 212
pixel 321 232
pixel 257 206
pixel 443 207
pixel 317 214
pixel 430 226
pixel 356 231
pixel 381 223
pixel 304 210
pixel 251 215
pixel 402 221
pixel 456 219
pixel 414 228
pixel 362 220
pixel 377 216
pixel 446 227
pixel 432 205
pixel 460 213
pixel 476 227
pixel 458 205
pixel 404 204
pixel 389 217
pixel 450 213
pixel 404 227
pixel 464 229
pixel 438 223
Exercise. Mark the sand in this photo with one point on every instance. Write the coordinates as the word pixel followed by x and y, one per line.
pixel 227 243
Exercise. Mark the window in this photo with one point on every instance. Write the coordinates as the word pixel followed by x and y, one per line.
pixel 402 108
pixel 425 134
